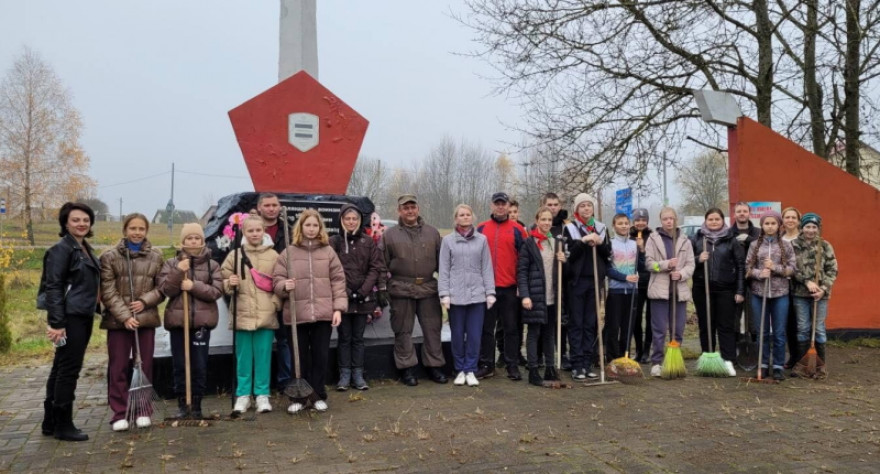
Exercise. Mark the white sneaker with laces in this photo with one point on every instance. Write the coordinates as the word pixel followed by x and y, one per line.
pixel 731 371
pixel 459 379
pixel 592 375
pixel 263 405
pixel 242 404
pixel 472 380
pixel 143 422
pixel 120 425
pixel 295 408
pixel 655 370
pixel 321 405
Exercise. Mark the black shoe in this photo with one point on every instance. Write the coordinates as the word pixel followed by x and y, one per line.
pixel 778 375
pixel 197 408
pixel 64 429
pixel 535 378
pixel 513 373
pixel 500 362
pixel 182 409
pixel 550 374
pixel 409 377
pixel 485 373
pixel 566 364
pixel 437 375
pixel 522 361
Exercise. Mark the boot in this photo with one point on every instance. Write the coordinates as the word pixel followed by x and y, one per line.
pixel 802 349
pixel 535 377
pixel 182 411
pixel 358 379
pixel 820 350
pixel 550 374
pixel 48 425
pixel 64 429
pixel 821 372
pixel 197 408
pixel 344 379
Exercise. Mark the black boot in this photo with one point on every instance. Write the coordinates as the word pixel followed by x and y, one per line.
pixel 48 425
pixel 820 350
pixel 535 377
pixel 802 349
pixel 550 374
pixel 64 429
pixel 182 411
pixel 197 408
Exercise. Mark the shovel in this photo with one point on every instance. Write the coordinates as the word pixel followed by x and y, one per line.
pixel 298 388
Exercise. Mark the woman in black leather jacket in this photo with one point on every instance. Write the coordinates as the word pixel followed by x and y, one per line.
pixel 70 285
pixel 726 284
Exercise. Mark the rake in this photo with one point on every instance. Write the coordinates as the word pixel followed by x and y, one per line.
pixel 759 378
pixel 599 324
pixel 298 389
pixel 810 364
pixel 142 397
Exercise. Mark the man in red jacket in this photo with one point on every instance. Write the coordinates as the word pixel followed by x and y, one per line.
pixel 505 237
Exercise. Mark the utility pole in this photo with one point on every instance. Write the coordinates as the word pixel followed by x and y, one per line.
pixel 665 195
pixel 121 217
pixel 169 210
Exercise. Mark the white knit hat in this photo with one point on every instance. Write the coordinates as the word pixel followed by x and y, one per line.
pixel 584 197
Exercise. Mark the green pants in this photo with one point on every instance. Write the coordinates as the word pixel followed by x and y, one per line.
pixel 253 356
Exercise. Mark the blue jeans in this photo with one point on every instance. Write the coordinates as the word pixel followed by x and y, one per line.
pixel 466 325
pixel 775 315
pixel 804 309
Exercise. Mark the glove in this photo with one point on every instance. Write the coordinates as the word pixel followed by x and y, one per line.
pixel 384 298
pixel 490 300
pixel 445 302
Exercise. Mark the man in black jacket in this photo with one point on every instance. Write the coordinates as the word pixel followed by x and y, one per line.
pixel 745 233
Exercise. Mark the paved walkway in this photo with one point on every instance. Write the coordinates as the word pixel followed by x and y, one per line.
pixel 690 425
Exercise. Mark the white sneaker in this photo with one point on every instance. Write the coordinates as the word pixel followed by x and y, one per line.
pixel 472 379
pixel 321 405
pixel 655 370
pixel 459 379
pixel 143 422
pixel 263 405
pixel 120 425
pixel 242 404
pixel 731 371
pixel 295 408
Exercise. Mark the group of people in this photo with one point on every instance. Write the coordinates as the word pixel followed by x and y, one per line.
pixel 494 279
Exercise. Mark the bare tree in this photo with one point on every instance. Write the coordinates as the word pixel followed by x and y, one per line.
pixel 370 179
pixel 703 183
pixel 40 154
pixel 607 84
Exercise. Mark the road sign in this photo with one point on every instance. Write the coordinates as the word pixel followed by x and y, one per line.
pixel 2 206
pixel 623 203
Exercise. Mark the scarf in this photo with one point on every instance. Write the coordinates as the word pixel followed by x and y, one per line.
pixel 466 232
pixel 539 237
pixel 133 246
pixel 590 224
pixel 713 235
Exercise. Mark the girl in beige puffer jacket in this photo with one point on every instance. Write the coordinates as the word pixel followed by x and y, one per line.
pixel 255 310
pixel 317 282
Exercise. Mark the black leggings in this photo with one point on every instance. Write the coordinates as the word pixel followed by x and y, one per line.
pixel 68 361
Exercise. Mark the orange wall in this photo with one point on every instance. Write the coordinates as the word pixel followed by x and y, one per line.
pixel 765 166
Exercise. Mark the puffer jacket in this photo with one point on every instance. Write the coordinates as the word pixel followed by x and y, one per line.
pixel 207 288
pixel 531 282
pixel 644 273
pixel 116 290
pixel 362 263
pixel 412 257
pixel 254 308
pixel 727 263
pixel 784 264
pixel 466 274
pixel 658 264
pixel 320 281
pixel 70 281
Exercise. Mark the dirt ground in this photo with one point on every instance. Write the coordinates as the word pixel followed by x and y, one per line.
pixel 690 425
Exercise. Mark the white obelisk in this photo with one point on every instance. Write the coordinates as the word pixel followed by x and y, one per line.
pixel 298 38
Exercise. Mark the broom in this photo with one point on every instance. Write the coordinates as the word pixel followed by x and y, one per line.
pixel 623 368
pixel 298 389
pixel 808 366
pixel 710 364
pixel 142 398
pixel 599 326
pixel 673 361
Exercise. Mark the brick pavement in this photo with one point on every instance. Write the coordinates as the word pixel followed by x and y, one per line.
pixel 690 425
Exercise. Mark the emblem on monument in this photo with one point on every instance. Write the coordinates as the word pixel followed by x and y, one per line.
pixel 302 131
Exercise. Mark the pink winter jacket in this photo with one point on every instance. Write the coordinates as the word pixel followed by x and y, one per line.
pixel 657 263
pixel 320 282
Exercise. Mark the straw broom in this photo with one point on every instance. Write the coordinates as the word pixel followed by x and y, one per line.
pixel 808 366
pixel 710 364
pixel 673 361
pixel 623 368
